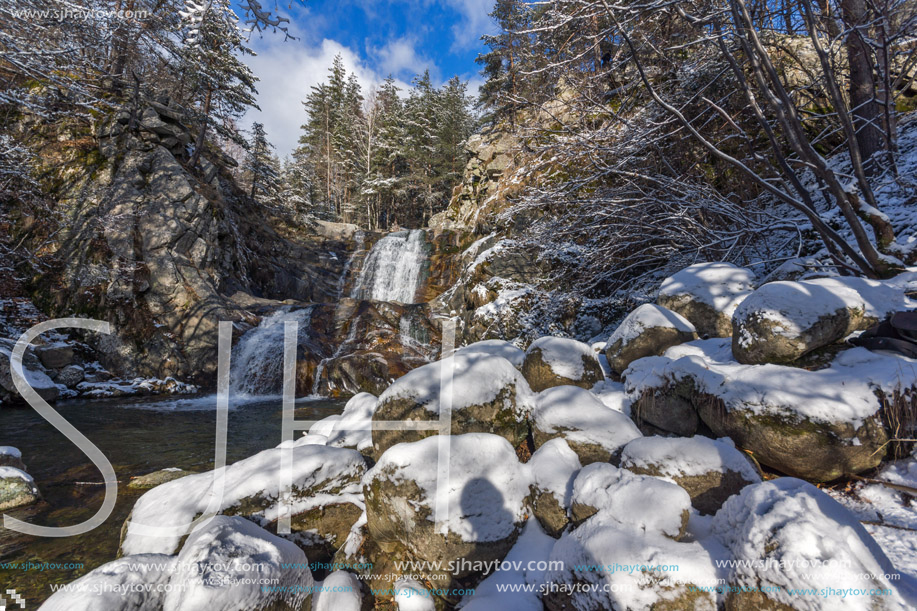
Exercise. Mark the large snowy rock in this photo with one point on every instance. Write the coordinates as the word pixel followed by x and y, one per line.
pixel 225 563
pixel 786 534
pixel 325 499
pixel 481 497
pixel 485 394
pixel 647 331
pixel 553 468
pixel 514 586
pixel 132 583
pixel 11 457
pixel 781 321
pixel 32 369
pixel 495 347
pixel 559 361
pixel 707 294
pixel 604 565
pixel 639 502
pixel 709 470
pixel 594 431
pixel 17 488
pixel 817 425
pixel 353 428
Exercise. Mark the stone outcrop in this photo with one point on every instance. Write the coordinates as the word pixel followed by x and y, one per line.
pixel 156 248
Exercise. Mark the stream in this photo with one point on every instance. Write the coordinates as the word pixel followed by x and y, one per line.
pixel 138 436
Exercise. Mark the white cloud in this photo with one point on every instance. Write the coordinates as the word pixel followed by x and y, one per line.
pixel 287 72
pixel 400 59
pixel 476 22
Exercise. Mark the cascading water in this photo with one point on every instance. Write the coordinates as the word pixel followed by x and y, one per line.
pixel 257 360
pixel 360 243
pixel 392 271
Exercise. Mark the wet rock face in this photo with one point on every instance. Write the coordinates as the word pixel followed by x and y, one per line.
pixel 172 244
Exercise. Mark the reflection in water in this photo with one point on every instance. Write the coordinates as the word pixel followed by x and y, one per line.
pixel 138 436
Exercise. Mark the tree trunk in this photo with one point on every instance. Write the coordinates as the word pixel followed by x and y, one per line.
pixel 199 144
pixel 864 105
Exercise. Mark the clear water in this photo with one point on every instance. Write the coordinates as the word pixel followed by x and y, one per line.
pixel 138 436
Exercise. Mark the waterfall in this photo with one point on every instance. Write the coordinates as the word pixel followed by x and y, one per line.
pixel 360 246
pixel 392 271
pixel 257 360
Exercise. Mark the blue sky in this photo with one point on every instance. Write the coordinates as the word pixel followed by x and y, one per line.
pixel 375 37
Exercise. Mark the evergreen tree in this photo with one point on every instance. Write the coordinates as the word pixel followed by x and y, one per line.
pixel 223 87
pixel 262 167
pixel 502 64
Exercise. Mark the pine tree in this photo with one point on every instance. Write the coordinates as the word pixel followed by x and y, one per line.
pixel 502 64
pixel 222 85
pixel 262 167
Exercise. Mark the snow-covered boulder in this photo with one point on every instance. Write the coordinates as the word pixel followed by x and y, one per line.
pixel 325 501
pixel 156 478
pixel 34 373
pixel 225 563
pixel 782 321
pixel 786 534
pixel 485 394
pixel 639 502
pixel 710 470
pixel 817 425
pixel 11 457
pixel 647 331
pixel 17 488
pixel 707 294
pixel 340 591
pixel 132 583
pixel 354 427
pixel 559 361
pixel 482 501
pixel 553 468
pixel 604 565
pixel 524 567
pixel 595 432
pixel 495 347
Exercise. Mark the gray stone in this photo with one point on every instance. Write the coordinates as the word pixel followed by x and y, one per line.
pixel 55 356
pixel 70 376
pixel 783 321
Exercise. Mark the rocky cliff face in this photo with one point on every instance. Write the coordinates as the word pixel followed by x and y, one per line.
pixel 164 253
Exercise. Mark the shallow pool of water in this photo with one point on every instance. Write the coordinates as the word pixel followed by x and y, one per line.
pixel 137 436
